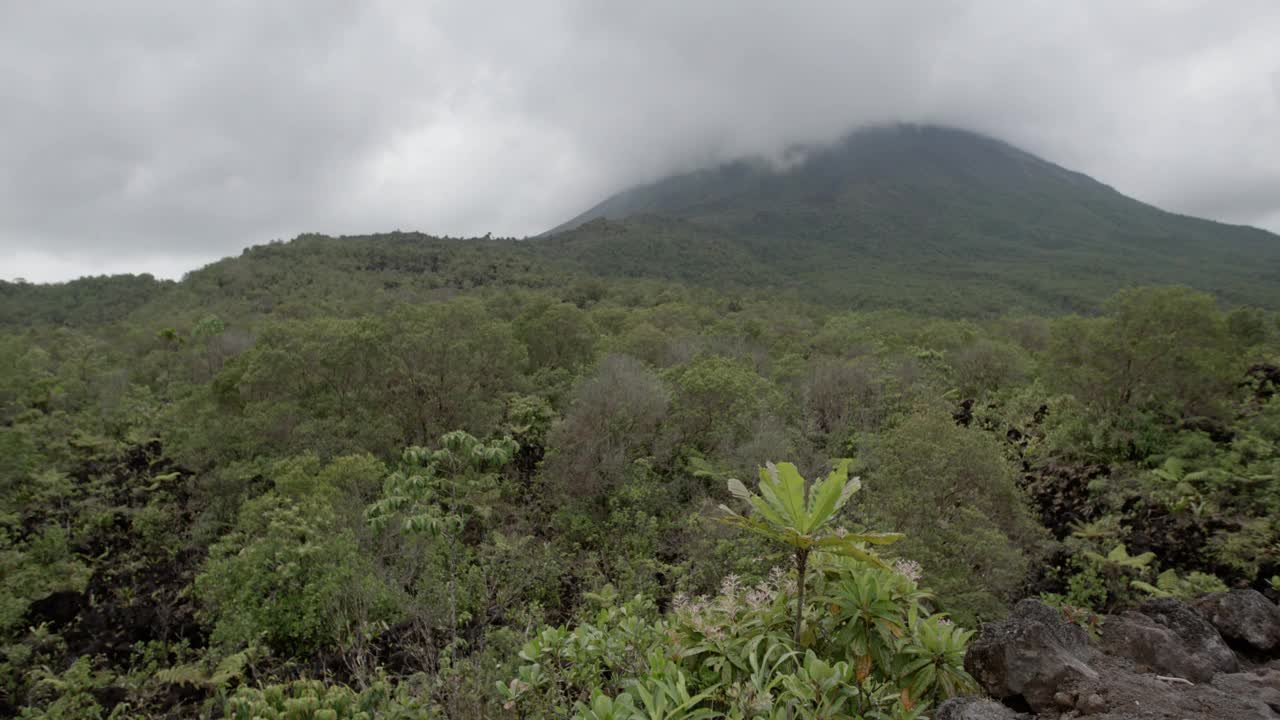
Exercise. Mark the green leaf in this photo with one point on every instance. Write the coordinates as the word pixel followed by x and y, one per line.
pixel 738 490
pixel 791 485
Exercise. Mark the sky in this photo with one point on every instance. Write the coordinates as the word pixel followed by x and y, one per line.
pixel 155 136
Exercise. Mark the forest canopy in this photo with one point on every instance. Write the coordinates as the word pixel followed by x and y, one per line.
pixel 462 481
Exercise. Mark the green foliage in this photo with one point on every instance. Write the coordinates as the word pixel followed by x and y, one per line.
pixel 1157 350
pixel 314 700
pixel 321 587
pixel 224 459
pixel 799 517
pixel 872 648
pixel 952 491
pixel 559 335
pixel 1169 584
pixel 717 400
pixel 69 695
pixel 437 493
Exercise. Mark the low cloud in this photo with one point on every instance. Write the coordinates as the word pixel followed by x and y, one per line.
pixel 149 136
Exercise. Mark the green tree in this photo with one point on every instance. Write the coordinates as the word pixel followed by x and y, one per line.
pixel 436 492
pixel 1160 349
pixel 717 401
pixel 291 575
pixel 449 365
pixel 559 335
pixel 955 495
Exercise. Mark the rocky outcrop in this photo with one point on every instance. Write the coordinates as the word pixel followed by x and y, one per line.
pixel 1027 658
pixel 1171 639
pixel 1261 687
pixel 1247 620
pixel 971 708
pixel 1161 660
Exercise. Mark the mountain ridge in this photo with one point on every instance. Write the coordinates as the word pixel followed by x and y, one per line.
pixel 919 201
pixel 934 220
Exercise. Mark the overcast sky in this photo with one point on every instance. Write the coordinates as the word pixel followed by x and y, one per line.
pixel 157 136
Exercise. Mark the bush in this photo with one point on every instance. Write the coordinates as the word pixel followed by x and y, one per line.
pixel 955 495
pixel 871 646
pixel 290 576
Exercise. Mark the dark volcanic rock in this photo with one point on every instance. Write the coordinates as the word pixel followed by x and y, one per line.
pixel 1245 618
pixel 1120 692
pixel 1028 657
pixel 1171 639
pixel 971 708
pixel 58 609
pixel 1260 687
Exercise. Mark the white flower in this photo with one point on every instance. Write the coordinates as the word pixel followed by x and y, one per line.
pixel 760 596
pixel 730 585
pixel 909 569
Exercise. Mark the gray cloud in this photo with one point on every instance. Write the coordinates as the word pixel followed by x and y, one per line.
pixel 156 136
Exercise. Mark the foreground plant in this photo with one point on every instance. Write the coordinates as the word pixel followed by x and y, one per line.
pixel 873 651
pixel 789 512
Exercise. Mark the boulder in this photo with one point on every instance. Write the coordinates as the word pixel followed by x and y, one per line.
pixel 1246 619
pixel 1091 704
pixel 1261 688
pixel 1122 692
pixel 1170 638
pixel 972 708
pixel 1028 657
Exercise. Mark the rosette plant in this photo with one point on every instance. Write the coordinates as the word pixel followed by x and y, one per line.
pixel 798 514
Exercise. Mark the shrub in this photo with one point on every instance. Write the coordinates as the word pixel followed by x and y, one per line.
pixel 290 575
pixel 954 494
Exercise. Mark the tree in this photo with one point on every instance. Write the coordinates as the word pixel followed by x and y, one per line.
pixel 955 495
pixel 559 335
pixel 717 400
pixel 436 492
pixel 449 365
pixel 1165 350
pixel 800 518
pixel 613 419
pixel 291 574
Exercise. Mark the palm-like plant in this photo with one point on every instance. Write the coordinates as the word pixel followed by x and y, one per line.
pixel 788 511
pixel 934 670
pixel 437 491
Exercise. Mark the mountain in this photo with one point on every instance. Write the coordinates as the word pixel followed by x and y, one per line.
pixel 941 219
pixel 932 220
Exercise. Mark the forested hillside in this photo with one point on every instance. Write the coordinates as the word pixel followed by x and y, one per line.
pixel 934 219
pixel 414 477
pixel 746 443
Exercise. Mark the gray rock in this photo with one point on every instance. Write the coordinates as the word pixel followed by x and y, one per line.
pixel 1171 639
pixel 1030 655
pixel 1245 618
pixel 1260 687
pixel 971 708
pixel 1091 704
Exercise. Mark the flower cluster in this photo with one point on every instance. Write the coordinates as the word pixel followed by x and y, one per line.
pixel 909 569
pixel 711 617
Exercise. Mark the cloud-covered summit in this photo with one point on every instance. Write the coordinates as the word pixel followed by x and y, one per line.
pixel 148 136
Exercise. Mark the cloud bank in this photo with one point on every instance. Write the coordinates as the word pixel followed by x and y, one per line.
pixel 154 137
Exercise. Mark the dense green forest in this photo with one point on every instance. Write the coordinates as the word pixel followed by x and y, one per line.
pixel 412 477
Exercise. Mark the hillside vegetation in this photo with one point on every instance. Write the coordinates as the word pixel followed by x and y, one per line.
pixel 937 220
pixel 404 476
